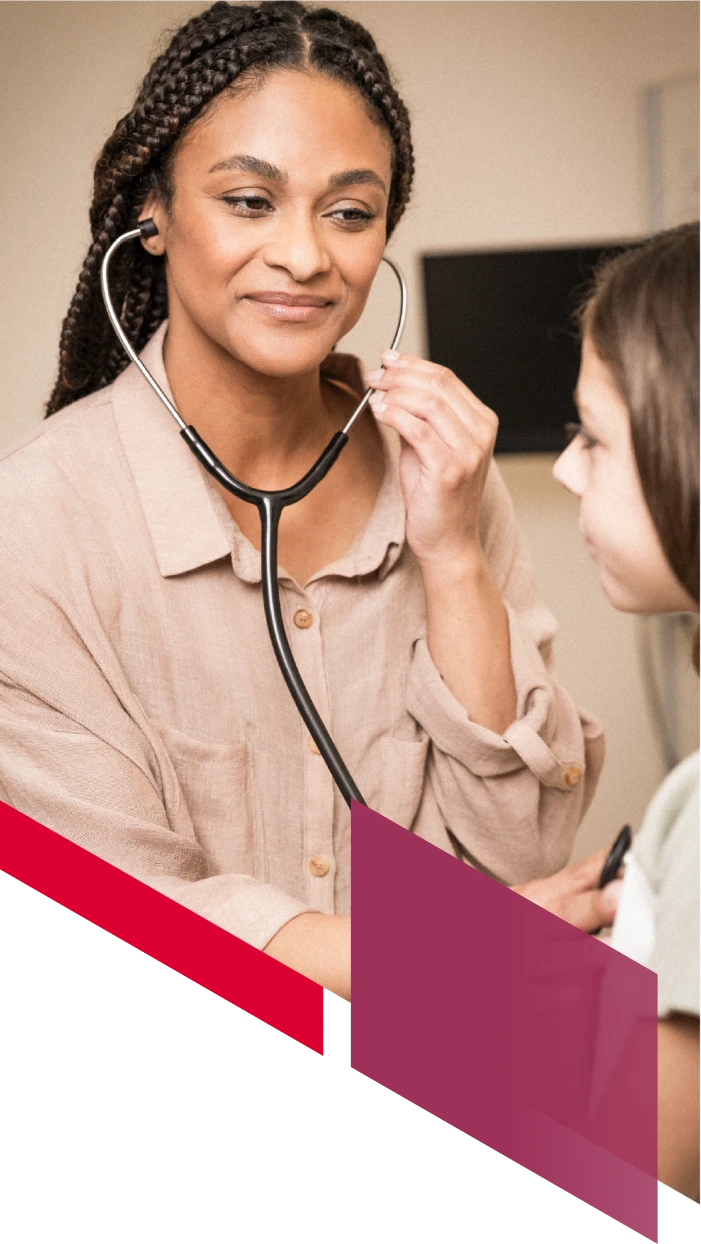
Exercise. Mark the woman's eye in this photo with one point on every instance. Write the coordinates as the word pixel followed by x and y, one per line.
pixel 353 216
pixel 248 204
pixel 574 430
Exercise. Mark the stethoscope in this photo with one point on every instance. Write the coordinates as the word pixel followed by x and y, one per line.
pixel 270 506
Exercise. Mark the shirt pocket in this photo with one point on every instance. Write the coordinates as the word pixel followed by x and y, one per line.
pixel 218 787
pixel 402 780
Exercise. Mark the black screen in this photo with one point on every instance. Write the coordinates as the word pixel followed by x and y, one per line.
pixel 503 322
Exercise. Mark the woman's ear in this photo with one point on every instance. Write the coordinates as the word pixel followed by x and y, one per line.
pixel 154 210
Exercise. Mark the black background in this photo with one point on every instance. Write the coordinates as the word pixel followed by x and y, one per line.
pixel 503 322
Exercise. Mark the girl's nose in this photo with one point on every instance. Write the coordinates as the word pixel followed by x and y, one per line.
pixel 569 469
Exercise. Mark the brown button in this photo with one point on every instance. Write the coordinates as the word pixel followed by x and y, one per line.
pixel 573 775
pixel 312 746
pixel 318 866
pixel 303 619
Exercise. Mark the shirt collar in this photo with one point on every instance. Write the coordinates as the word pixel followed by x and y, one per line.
pixel 187 519
pixel 173 489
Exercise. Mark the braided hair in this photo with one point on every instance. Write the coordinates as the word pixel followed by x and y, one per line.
pixel 208 55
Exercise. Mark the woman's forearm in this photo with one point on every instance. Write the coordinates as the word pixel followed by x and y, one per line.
pixel 468 637
pixel 318 946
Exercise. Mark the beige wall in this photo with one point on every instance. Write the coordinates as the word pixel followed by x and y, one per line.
pixel 528 126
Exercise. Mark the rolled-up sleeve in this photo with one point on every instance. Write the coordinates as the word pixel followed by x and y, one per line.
pixel 103 788
pixel 513 801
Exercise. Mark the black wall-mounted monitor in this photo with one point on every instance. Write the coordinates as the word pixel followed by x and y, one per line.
pixel 503 322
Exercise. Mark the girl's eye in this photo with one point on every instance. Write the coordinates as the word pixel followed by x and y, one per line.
pixel 248 204
pixel 573 430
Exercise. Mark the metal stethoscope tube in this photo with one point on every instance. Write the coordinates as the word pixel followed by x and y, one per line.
pixel 270 506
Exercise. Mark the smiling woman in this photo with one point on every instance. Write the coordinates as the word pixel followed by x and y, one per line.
pixel 303 220
pixel 141 709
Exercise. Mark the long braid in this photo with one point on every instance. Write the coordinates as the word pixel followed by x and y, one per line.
pixel 205 57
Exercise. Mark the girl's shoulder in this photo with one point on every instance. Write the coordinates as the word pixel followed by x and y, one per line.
pixel 658 914
pixel 669 836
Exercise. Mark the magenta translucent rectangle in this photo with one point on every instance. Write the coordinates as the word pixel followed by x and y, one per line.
pixel 505 1021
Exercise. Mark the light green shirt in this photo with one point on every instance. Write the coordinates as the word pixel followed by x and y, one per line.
pixel 658 916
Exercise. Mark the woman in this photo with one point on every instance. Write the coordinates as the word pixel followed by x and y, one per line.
pixel 634 465
pixel 141 710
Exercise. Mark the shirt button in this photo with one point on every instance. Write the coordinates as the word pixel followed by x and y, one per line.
pixel 303 619
pixel 312 746
pixel 573 775
pixel 318 866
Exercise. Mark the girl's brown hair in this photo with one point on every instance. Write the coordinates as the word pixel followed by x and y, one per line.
pixel 642 318
pixel 208 55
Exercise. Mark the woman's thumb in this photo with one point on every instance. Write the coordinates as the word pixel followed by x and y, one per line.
pixel 594 908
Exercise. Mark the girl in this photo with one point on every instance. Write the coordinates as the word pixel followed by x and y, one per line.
pixel 635 468
pixel 141 709
pixel 634 465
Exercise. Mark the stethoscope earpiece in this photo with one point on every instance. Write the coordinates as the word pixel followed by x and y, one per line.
pixel 148 228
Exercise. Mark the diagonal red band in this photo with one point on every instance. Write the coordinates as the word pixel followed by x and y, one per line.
pixel 161 928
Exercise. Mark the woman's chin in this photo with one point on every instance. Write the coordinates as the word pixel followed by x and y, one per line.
pixel 286 360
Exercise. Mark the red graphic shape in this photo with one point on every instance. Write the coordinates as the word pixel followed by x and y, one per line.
pixel 161 928
pixel 504 1020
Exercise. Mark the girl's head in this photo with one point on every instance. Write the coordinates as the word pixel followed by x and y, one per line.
pixel 635 462
pixel 275 156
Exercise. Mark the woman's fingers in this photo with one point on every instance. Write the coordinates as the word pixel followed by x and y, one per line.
pixel 433 453
pixel 593 909
pixel 586 872
pixel 442 383
pixel 452 436
pixel 429 378
pixel 424 405
pixel 573 893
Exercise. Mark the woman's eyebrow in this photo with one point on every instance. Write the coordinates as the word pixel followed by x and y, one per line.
pixel 356 177
pixel 250 164
pixel 262 168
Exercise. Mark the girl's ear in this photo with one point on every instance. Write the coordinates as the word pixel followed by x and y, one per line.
pixel 153 209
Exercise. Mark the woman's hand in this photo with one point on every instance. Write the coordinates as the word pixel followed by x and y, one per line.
pixel 573 893
pixel 447 443
pixel 448 439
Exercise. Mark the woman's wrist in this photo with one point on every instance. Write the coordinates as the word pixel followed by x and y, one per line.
pixel 318 946
pixel 465 564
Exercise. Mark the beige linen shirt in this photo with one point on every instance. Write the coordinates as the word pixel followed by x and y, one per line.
pixel 142 713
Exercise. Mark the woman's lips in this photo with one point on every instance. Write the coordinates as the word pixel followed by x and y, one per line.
pixel 297 309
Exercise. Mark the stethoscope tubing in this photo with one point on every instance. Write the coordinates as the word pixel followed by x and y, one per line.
pixel 270 505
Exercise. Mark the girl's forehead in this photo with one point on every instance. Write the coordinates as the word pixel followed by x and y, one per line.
pixel 600 404
pixel 596 381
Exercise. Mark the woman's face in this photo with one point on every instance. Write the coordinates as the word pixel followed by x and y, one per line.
pixel 278 221
pixel 599 467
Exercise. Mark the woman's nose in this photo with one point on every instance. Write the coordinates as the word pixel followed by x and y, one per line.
pixel 297 247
